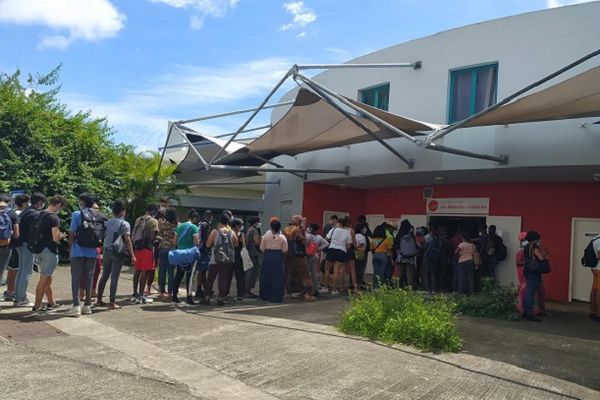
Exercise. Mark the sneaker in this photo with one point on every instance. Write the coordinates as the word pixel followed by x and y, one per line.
pixel 323 290
pixel 74 312
pixel 86 310
pixel 190 301
pixel 8 296
pixel 175 301
pixel 133 299
pixel 24 303
pixel 250 295
pixel 146 300
pixel 335 293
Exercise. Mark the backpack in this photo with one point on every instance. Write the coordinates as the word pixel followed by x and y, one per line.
pixel 6 228
pixel 590 257
pixel 434 251
pixel 140 241
pixel 27 221
pixel 90 232
pixel 36 242
pixel 223 251
pixel 501 252
pixel 408 246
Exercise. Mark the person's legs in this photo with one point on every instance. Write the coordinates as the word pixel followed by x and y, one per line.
pixel 5 253
pixel 176 282
pixel 116 266
pixel 163 267
pixel 149 281
pixel 313 267
pixel 252 275
pixel 360 271
pixel 410 274
pixel 595 294
pixel 541 297
pixel 462 278
pixel 533 281
pixel 136 283
pixel 88 271
pixel 325 277
pixel 378 269
pixel 142 282
pixel 200 284
pixel 240 279
pixel 47 261
pixel 76 272
pixel 26 260
pixel 225 271
pixel 97 269
pixel 213 271
pixel 106 272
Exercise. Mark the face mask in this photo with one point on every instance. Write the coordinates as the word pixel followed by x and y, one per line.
pixel 242 228
pixel 364 231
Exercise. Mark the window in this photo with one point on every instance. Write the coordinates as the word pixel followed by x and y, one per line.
pixel 376 96
pixel 472 90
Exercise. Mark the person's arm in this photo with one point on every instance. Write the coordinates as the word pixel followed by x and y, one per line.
pixel 211 239
pixel 257 238
pixel 73 228
pixel 323 244
pixel 234 237
pixel 196 239
pixel 128 242
pixel 262 245
pixel 539 253
pixel 16 232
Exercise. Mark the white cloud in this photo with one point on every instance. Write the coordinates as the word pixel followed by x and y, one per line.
pixel 201 9
pixel 561 3
pixel 70 20
pixel 301 35
pixel 140 115
pixel 302 15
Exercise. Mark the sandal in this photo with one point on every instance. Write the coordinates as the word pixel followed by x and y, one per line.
pixel 114 306
pixel 100 303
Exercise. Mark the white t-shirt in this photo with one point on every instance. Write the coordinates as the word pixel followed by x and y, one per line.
pixel 361 240
pixel 597 249
pixel 340 239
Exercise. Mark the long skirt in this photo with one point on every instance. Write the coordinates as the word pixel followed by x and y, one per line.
pixel 272 276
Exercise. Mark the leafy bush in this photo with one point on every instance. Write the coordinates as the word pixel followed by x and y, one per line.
pixel 498 302
pixel 395 315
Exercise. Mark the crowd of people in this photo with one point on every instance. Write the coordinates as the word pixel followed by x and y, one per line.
pixel 293 259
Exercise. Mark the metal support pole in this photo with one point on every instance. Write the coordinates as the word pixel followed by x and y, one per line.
pixel 367 114
pixel 441 133
pixel 183 135
pixel 277 182
pixel 259 169
pixel 414 65
pixel 303 176
pixel 409 163
pixel 256 111
pixel 162 154
pixel 247 110
pixel 502 159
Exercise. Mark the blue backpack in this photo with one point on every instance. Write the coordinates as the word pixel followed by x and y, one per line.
pixel 6 228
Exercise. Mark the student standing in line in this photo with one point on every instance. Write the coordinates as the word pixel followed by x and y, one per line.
pixel 350 264
pixel 253 244
pixel 9 232
pixel 466 252
pixel 116 227
pixel 221 243
pixel 380 245
pixel 406 252
pixel 186 237
pixel 21 201
pixel 27 221
pixel 47 236
pixel 145 231
pixel 313 239
pixel 340 242
pixel 166 233
pixel 83 254
pixel 533 251
pixel 202 265
pixel 595 292
pixel 272 273
pixel 237 226
pixel 296 262
pixel 360 253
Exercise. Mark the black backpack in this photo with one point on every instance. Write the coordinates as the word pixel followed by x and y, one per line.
pixel 501 252
pixel 590 257
pixel 36 242
pixel 90 232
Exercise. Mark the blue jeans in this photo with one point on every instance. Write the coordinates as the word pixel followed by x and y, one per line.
pixel 465 276
pixel 380 264
pixel 533 284
pixel 166 272
pixel 26 260
pixel 111 269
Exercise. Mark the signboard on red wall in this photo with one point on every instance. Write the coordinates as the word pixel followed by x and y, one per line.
pixel 468 206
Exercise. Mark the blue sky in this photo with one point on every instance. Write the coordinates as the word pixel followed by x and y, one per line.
pixel 141 63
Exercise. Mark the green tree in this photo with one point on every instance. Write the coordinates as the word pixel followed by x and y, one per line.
pixel 45 147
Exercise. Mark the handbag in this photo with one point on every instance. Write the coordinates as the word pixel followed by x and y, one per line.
pixel 184 256
pixel 312 248
pixel 119 246
pixel 537 266
pixel 246 260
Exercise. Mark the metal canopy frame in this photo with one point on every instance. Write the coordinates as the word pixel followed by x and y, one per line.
pixel 339 102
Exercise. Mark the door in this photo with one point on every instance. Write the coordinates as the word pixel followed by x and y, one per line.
pixel 508 228
pixel 582 231
pixel 327 214
pixel 373 220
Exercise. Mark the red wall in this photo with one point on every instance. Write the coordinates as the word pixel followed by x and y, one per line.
pixel 545 207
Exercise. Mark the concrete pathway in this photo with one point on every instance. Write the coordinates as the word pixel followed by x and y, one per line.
pixel 255 350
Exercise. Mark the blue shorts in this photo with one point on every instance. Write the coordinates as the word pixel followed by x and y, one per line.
pixel 47 261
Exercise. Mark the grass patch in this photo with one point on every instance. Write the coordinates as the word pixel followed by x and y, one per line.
pixel 399 316
pixel 497 302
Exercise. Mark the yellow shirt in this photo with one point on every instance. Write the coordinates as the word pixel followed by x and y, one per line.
pixel 386 244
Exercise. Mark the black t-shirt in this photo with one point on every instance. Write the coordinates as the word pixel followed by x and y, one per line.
pixel 48 221
pixel 26 223
pixel 14 218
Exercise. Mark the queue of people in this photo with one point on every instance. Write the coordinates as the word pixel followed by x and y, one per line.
pixel 295 259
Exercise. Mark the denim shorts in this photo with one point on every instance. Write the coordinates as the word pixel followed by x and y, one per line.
pixel 47 261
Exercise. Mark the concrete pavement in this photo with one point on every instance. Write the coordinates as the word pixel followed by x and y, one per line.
pixel 291 351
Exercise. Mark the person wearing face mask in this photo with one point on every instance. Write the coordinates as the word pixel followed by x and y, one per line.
pixel 406 250
pixel 533 278
pixel 237 226
pixel 273 245
pixel 315 242
pixel 253 245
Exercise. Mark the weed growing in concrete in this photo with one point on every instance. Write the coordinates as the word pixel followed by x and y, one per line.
pixel 497 302
pixel 399 316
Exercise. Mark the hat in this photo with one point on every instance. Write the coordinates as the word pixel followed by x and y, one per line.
pixel 532 236
pixel 522 236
